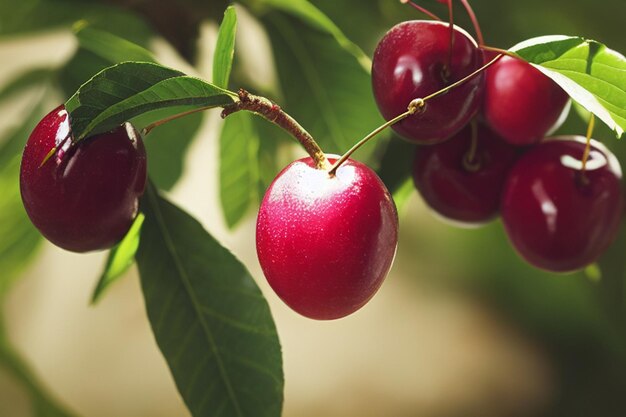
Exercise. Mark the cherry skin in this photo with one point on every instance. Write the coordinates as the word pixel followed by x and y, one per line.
pixel 85 196
pixel 520 103
pixel 557 217
pixel 459 187
pixel 411 61
pixel 325 244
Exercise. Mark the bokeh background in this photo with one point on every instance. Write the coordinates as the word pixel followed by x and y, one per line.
pixel 461 327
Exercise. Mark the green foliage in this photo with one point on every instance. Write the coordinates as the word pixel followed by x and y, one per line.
pixel 239 167
pixel 108 46
pixel 325 88
pixel 395 169
pixel 167 145
pixel 208 316
pixel 120 259
pixel 35 15
pixel 124 91
pixel 314 17
pixel 25 80
pixel 19 239
pixel 225 48
pixel 42 404
pixel 591 73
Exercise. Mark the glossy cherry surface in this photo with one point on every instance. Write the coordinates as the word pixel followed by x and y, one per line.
pixel 85 196
pixel 557 217
pixel 325 244
pixel 521 104
pixel 459 186
pixel 411 61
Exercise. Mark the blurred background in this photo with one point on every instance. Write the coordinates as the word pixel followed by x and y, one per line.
pixel 461 327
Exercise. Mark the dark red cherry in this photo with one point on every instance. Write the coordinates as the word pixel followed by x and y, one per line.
pixel 325 244
pixel 558 217
pixel 520 103
pixel 85 196
pixel 462 186
pixel 411 61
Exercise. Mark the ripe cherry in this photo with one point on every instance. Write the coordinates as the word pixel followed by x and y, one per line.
pixel 414 60
pixel 520 103
pixel 462 180
pixel 325 243
pixel 557 216
pixel 85 196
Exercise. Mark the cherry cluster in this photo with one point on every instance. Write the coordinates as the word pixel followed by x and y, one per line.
pixel 483 146
pixel 327 228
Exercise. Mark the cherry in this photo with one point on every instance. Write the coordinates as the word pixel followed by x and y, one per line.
pixel 325 243
pixel 557 216
pixel 85 196
pixel 414 60
pixel 520 103
pixel 461 183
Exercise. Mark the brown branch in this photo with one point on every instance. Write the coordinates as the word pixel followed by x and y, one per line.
pixel 272 112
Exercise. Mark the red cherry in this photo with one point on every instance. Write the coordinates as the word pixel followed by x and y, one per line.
pixel 557 217
pixel 411 61
pixel 325 244
pixel 85 196
pixel 461 189
pixel 520 103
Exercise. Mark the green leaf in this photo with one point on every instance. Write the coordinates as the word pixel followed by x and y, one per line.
pixel 167 145
pixel 19 239
pixel 108 46
pixel 169 142
pixel 592 74
pixel 124 91
pixel 395 170
pixel 225 48
pixel 92 57
pixel 314 17
pixel 25 80
pixel 42 403
pixel 239 170
pixel 30 15
pixel 120 259
pixel 209 318
pixel 325 89
pixel 270 158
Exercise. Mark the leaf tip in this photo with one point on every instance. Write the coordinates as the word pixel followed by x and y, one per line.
pixel 79 25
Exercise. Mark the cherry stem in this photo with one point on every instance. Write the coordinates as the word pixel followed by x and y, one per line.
pixel 421 9
pixel 463 80
pixel 498 50
pixel 472 16
pixel 414 106
pixel 592 122
pixel 273 113
pixel 146 130
pixel 470 162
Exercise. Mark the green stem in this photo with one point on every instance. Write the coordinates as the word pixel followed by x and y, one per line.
pixel 414 106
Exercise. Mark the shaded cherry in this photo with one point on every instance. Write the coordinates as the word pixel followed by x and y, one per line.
pixel 412 61
pixel 85 196
pixel 520 103
pixel 325 243
pixel 558 217
pixel 462 183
